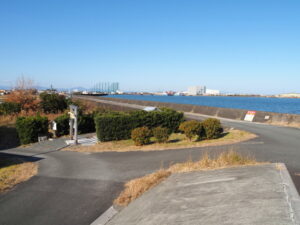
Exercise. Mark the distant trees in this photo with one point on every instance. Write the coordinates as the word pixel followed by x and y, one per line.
pixel 24 94
pixel 53 102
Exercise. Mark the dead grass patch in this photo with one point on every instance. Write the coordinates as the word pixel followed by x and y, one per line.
pixel 176 141
pixel 135 188
pixel 15 171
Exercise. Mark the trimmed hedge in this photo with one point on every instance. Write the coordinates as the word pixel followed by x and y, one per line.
pixel 8 108
pixel 29 128
pixel 111 127
pixel 168 118
pixel 63 127
pixel 118 126
pixel 86 124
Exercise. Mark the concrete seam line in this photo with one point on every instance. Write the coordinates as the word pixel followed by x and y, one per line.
pixel 292 195
pixel 105 217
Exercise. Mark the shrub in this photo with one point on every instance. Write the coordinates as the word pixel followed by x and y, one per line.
pixel 86 123
pixel 8 108
pixel 191 129
pixel 161 134
pixel 141 136
pixel 62 125
pixel 53 103
pixel 168 118
pixel 116 126
pixel 29 128
pixel 213 128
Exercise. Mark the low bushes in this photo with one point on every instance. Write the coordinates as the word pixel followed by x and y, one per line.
pixel 118 126
pixel 141 136
pixel 9 108
pixel 161 134
pixel 208 129
pixel 29 128
pixel 213 128
pixel 192 128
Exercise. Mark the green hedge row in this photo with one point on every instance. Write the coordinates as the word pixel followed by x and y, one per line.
pixel 86 124
pixel 31 127
pixel 118 126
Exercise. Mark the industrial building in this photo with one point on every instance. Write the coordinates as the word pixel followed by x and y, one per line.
pixel 196 90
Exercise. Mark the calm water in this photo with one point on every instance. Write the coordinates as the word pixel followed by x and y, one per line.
pixel 280 105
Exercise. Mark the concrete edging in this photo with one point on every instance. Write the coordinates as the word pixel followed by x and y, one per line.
pixel 293 198
pixel 106 216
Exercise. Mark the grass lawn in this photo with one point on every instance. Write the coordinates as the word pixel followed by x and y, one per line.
pixel 176 141
pixel 14 171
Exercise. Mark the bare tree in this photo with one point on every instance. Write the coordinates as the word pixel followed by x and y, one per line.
pixel 24 94
pixel 24 83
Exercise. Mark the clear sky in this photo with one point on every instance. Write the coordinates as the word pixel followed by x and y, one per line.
pixel 245 46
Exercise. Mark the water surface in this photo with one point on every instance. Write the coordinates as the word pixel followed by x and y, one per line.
pixel 279 105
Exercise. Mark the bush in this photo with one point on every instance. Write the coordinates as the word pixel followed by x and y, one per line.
pixel 116 126
pixel 213 128
pixel 161 134
pixel 29 128
pixel 62 125
pixel 53 103
pixel 168 118
pixel 8 108
pixel 141 136
pixel 86 123
pixel 191 129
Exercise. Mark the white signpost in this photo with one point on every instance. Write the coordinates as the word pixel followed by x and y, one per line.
pixel 74 123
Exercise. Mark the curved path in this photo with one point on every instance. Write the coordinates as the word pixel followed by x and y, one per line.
pixel 75 188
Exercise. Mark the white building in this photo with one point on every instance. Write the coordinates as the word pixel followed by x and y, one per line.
pixel 212 92
pixel 196 90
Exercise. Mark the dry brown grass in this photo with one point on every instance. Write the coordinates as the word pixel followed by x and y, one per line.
pixel 135 188
pixel 176 141
pixel 223 160
pixel 14 172
pixel 11 119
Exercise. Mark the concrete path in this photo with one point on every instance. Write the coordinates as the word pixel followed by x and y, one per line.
pixel 252 195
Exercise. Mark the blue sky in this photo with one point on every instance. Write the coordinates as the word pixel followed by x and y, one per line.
pixel 244 46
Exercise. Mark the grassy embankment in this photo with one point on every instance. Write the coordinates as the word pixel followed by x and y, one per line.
pixel 135 188
pixel 176 141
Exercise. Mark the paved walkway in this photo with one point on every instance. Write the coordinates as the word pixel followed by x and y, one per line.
pixel 252 195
